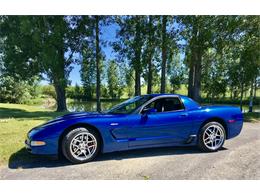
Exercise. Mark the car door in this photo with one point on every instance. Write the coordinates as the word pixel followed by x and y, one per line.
pixel 170 124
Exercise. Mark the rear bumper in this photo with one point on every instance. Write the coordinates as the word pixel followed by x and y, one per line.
pixel 234 129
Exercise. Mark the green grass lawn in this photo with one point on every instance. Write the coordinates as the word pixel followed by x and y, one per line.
pixel 15 121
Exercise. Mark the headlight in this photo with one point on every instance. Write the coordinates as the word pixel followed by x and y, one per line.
pixel 37 143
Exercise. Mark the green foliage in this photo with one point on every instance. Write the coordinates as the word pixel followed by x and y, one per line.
pixel 16 91
pixel 216 56
pixel 49 91
pixel 114 88
pixel 40 48
pixel 176 71
pixel 214 75
pixel 75 92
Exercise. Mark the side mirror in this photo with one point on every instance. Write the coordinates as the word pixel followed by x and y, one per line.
pixel 147 111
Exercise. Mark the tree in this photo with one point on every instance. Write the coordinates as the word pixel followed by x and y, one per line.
pixel 97 54
pixel 129 80
pixel 176 71
pixel 164 53
pixel 16 91
pixel 249 63
pixel 88 72
pixel 113 80
pixel 150 49
pixel 198 32
pixel 129 45
pixel 91 51
pixel 45 45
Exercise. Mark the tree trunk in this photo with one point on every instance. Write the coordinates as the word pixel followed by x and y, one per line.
pixel 195 74
pixel 235 94
pixel 150 56
pixel 251 97
pixel 137 83
pixel 61 97
pixel 231 93
pixel 59 81
pixel 255 87
pixel 191 78
pixel 150 77
pixel 241 96
pixel 137 60
pixel 97 64
pixel 164 55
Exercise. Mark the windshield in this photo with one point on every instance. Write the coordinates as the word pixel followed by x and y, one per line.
pixel 129 106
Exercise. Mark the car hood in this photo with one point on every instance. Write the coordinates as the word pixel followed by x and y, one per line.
pixel 87 115
pixel 75 115
pixel 80 114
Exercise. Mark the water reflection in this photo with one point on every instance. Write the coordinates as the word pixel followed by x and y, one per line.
pixel 90 106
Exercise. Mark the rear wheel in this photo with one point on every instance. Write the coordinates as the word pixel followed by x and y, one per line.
pixel 81 145
pixel 212 137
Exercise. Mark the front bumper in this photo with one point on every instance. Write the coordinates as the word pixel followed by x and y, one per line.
pixel 50 148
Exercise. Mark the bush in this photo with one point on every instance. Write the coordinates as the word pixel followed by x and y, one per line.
pixel 15 91
pixel 49 90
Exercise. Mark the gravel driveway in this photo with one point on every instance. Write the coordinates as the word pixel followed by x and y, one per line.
pixel 239 159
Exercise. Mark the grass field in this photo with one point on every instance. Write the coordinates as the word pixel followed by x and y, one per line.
pixel 16 120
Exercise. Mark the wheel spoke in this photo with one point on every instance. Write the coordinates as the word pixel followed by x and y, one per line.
pixel 76 140
pixel 208 142
pixel 75 146
pixel 78 153
pixel 207 138
pixel 211 131
pixel 85 154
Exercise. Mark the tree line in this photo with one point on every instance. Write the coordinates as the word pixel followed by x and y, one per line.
pixel 214 55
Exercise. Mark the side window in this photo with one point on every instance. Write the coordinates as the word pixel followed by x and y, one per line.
pixel 166 104
pixel 172 104
pixel 157 104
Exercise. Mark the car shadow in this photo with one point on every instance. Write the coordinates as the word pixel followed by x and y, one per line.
pixel 21 114
pixel 24 160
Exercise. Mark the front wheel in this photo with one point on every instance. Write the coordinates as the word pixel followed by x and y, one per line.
pixel 212 137
pixel 81 145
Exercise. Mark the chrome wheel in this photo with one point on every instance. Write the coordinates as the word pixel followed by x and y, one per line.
pixel 83 146
pixel 213 137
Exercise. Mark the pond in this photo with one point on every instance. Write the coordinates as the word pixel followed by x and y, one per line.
pixel 90 106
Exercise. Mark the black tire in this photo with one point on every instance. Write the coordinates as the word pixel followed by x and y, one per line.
pixel 66 144
pixel 201 143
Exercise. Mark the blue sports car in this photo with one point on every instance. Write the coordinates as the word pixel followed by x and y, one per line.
pixel 154 120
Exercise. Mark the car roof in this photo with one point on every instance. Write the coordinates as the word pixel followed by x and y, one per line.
pixel 162 94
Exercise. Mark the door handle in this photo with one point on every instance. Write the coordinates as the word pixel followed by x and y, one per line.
pixel 184 115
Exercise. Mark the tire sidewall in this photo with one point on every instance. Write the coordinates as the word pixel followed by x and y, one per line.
pixel 201 144
pixel 68 138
